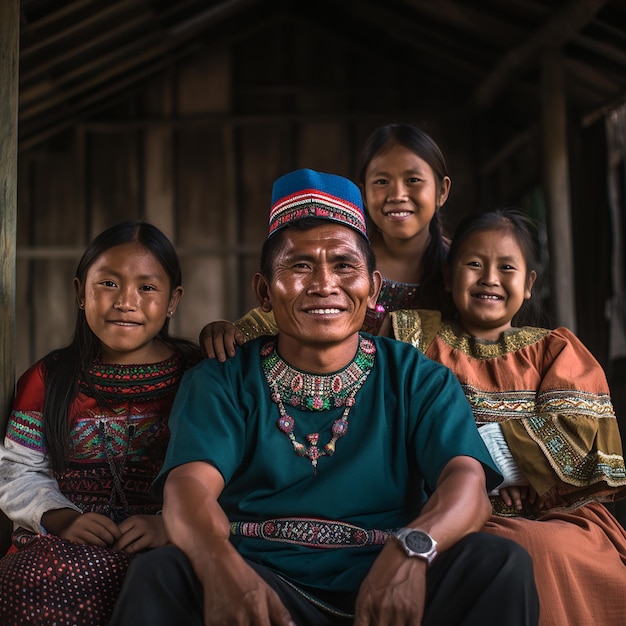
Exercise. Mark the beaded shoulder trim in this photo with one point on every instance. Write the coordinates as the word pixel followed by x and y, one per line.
pixel 510 341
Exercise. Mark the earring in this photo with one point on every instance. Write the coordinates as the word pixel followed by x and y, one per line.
pixel 170 313
pixel 81 305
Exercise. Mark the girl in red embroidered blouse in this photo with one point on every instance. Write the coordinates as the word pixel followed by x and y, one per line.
pixel 88 433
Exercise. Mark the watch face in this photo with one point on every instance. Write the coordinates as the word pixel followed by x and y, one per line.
pixel 419 542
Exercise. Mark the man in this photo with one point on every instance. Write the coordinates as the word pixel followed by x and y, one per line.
pixel 324 476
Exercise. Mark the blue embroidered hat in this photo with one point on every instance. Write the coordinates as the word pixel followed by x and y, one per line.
pixel 307 193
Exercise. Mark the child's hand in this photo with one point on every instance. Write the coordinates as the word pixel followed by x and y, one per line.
pixel 218 340
pixel 140 532
pixel 513 496
pixel 91 528
pixel 551 502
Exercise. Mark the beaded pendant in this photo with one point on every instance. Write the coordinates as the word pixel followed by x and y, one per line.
pixel 272 363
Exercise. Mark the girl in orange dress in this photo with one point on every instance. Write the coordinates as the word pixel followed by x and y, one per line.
pixel 542 404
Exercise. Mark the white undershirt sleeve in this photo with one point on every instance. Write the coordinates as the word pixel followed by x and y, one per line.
pixel 499 450
pixel 27 487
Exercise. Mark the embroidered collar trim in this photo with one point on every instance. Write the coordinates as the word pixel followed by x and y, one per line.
pixel 316 392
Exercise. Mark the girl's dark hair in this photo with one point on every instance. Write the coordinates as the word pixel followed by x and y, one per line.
pixel 432 292
pixel 64 368
pixel 524 229
pixel 273 244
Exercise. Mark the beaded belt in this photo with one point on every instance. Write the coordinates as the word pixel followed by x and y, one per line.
pixel 315 533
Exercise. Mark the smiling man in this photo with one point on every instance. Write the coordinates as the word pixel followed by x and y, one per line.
pixel 325 476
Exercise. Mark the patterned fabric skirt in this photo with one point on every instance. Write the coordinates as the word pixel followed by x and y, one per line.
pixel 50 581
pixel 579 560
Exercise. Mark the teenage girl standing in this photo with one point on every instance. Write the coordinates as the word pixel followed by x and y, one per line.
pixel 404 181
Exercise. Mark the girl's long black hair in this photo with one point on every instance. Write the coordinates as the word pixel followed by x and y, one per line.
pixel 432 292
pixel 63 368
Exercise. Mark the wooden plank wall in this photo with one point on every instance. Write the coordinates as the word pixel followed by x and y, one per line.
pixel 185 156
pixel 195 151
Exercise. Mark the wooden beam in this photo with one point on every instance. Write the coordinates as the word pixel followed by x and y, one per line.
pixel 102 67
pixel 428 43
pixel 91 85
pixel 127 26
pixel 557 189
pixel 565 23
pixel 81 50
pixel 73 252
pixel 593 116
pixel 601 48
pixel 598 83
pixel 480 24
pixel 251 119
pixel 209 17
pixel 111 11
pixel 101 98
pixel 514 144
pixel 134 68
pixel 58 122
pixel 9 55
pixel 64 12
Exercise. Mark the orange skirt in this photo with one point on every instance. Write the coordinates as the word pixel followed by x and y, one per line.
pixel 579 560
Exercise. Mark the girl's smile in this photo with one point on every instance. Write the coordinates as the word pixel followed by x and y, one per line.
pixel 489 281
pixel 127 299
pixel 402 193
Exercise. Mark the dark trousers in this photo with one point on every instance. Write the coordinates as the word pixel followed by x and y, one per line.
pixel 483 580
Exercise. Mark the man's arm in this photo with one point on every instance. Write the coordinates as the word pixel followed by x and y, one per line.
pixel 459 505
pixel 394 591
pixel 196 523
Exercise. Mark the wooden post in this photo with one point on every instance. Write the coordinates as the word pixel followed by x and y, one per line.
pixel 9 54
pixel 556 182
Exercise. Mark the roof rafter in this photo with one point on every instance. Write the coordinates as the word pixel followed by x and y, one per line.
pixel 567 21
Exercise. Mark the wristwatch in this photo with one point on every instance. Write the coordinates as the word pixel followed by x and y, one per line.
pixel 417 543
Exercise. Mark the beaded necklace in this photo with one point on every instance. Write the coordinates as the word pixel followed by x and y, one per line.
pixel 315 392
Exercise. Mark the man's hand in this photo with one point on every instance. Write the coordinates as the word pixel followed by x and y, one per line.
pixel 235 594
pixel 394 591
pixel 219 339
pixel 140 532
